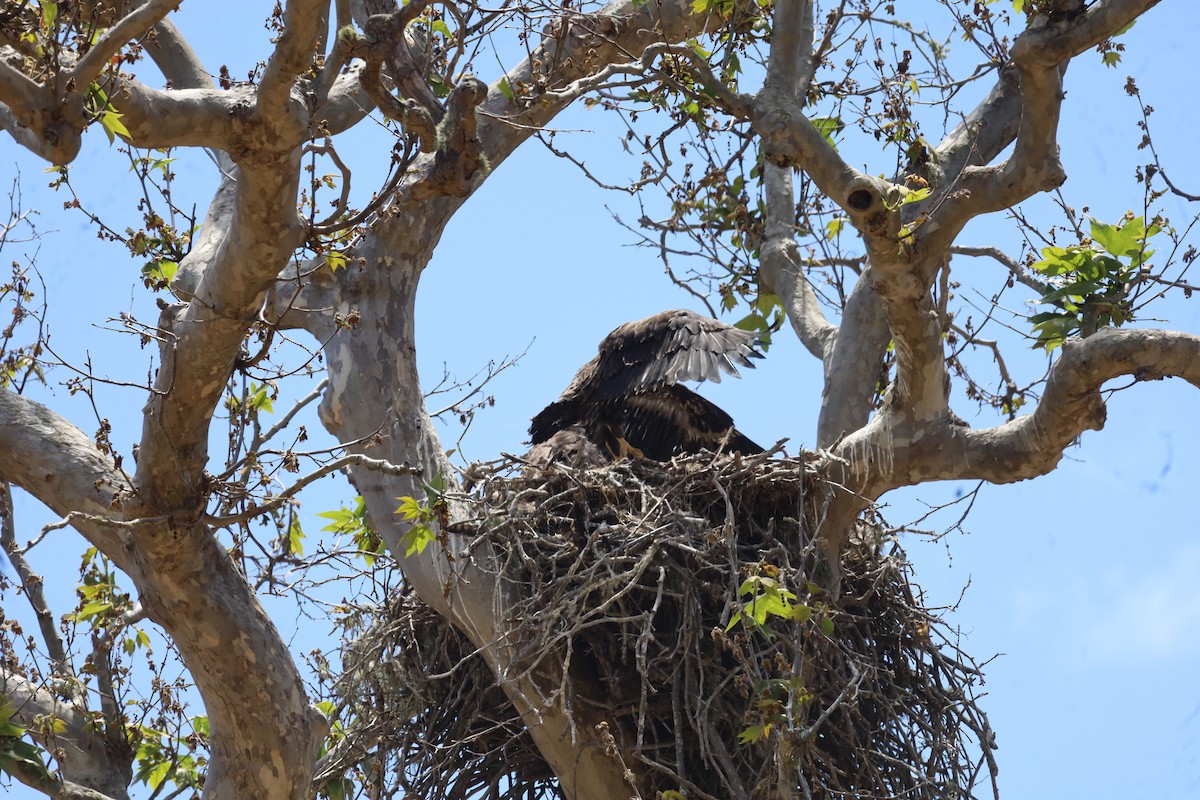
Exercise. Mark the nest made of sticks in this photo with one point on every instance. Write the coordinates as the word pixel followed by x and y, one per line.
pixel 682 606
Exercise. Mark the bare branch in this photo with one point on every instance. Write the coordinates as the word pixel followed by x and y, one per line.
pixel 352 459
pixel 32 585
pixel 1019 274
pixel 132 26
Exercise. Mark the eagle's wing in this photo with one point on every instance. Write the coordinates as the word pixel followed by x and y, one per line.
pixel 668 348
pixel 669 420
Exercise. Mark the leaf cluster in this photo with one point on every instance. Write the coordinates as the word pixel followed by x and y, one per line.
pixel 1091 282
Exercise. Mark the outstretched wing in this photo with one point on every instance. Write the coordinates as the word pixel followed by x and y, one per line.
pixel 668 348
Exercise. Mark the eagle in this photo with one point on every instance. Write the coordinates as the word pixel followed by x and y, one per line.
pixel 629 400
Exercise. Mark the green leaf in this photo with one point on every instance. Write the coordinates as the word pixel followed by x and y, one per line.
pixel 507 91
pixel 7 726
pixel 440 26
pixel 828 127
pixel 409 508
pixel 260 399
pixel 111 122
pixel 157 774
pixel 49 13
pixel 335 260
pixel 295 538
pixel 158 274
pixel 1124 240
pixel 23 752
pixel 834 227
pixel 417 539
pixel 754 733
pixel 90 610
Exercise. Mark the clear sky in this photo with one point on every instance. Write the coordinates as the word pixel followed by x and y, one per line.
pixel 1083 584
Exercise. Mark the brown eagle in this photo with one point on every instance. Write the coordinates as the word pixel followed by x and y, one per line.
pixel 628 399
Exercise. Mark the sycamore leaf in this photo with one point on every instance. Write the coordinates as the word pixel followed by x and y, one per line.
pixel 23 752
pixel 111 122
pixel 754 733
pixel 507 91
pixel 295 538
pixel 417 539
pixel 828 127
pixel 409 508
pixel 335 260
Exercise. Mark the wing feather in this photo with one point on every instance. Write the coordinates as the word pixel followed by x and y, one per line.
pixel 671 347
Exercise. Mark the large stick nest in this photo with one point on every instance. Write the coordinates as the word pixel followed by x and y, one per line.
pixel 620 584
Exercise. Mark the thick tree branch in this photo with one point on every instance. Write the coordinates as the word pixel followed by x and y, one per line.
pixel 178 118
pixel 574 47
pixel 855 364
pixel 894 451
pixel 789 139
pixel 175 58
pixel 982 135
pixel 1039 56
pixel 59 465
pixel 205 335
pixel 1072 403
pixel 37 119
pixel 781 270
pixel 131 27
pixel 790 69
pixel 1056 43
pixel 386 43
pixel 303 21
pixel 87 768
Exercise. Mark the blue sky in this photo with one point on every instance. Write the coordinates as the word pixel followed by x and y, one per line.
pixel 1084 582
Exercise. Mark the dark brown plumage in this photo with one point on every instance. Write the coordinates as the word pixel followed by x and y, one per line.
pixel 628 399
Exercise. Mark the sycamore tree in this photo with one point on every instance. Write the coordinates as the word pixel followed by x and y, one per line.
pixel 287 281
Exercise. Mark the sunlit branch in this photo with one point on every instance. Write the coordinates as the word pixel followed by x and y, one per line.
pixel 293 55
pixel 132 26
pixel 174 56
pixel 781 266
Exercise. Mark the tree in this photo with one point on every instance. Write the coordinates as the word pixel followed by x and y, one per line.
pixel 861 272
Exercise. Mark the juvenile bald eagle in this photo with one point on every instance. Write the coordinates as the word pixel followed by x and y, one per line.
pixel 628 399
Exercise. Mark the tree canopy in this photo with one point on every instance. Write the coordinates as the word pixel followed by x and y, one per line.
pixel 813 172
